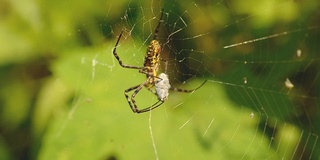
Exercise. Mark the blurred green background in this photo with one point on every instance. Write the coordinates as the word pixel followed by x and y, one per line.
pixel 61 89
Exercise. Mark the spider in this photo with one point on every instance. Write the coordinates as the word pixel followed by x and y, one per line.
pixel 150 69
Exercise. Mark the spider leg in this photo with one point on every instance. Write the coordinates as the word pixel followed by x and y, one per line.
pixel 118 58
pixel 156 31
pixel 186 90
pixel 152 91
pixel 145 72
pixel 128 99
pixel 157 104
pixel 132 101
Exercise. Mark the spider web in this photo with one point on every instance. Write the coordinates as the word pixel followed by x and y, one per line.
pixel 261 100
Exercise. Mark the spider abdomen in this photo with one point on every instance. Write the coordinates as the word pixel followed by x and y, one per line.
pixel 152 59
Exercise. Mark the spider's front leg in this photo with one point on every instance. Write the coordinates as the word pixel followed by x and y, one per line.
pixel 118 58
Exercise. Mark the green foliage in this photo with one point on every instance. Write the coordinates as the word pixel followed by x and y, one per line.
pixel 62 90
